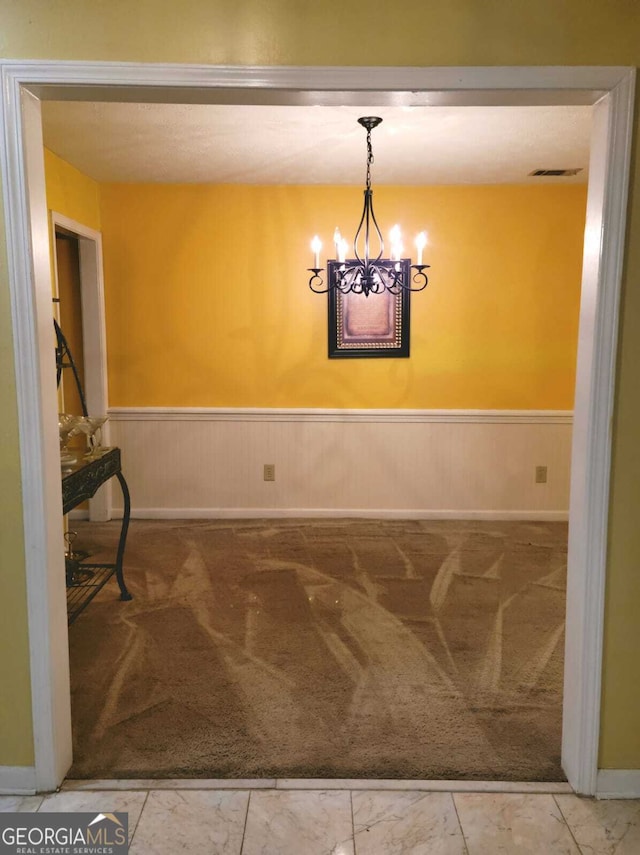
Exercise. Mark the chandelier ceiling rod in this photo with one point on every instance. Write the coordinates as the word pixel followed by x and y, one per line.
pixel 368 122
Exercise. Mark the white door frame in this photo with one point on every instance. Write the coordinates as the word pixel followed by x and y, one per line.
pixel 94 335
pixel 610 90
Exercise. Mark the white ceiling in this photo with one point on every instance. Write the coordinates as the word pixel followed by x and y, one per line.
pixel 184 143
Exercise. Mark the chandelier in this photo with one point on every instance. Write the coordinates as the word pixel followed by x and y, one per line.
pixel 367 273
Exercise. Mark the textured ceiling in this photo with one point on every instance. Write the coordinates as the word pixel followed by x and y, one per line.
pixel 178 143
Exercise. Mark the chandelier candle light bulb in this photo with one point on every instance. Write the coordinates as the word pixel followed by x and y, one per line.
pixel 316 246
pixel 370 273
pixel 395 236
pixel 421 242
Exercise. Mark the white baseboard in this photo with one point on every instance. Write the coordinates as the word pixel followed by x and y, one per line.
pixel 17 780
pixel 309 513
pixel 78 514
pixel 618 784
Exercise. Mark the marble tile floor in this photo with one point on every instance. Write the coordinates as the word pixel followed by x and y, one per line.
pixel 352 817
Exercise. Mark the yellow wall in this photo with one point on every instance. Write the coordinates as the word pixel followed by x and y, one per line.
pixel 619 726
pixel 344 32
pixel 76 196
pixel 70 192
pixel 207 302
pixel 16 734
pixel 334 32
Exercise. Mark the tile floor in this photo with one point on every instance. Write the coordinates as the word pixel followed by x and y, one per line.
pixel 352 817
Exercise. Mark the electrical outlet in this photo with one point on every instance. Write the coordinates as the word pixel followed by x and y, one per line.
pixel 269 471
pixel 541 474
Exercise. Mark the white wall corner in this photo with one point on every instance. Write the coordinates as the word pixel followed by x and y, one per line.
pixel 618 784
pixel 17 780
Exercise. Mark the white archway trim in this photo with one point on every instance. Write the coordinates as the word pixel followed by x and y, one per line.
pixel 591 449
pixel 30 290
pixel 611 89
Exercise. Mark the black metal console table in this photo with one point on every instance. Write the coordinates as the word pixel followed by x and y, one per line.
pixel 81 482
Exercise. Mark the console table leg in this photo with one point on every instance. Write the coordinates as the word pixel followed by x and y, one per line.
pixel 124 594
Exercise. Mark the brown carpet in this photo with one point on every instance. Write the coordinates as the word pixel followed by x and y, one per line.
pixel 323 648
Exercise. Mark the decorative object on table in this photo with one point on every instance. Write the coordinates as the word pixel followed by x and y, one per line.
pixel 64 359
pixel 368 273
pixel 67 423
pixel 67 427
pixel 91 427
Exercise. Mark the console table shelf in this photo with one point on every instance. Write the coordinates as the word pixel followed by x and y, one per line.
pixel 79 483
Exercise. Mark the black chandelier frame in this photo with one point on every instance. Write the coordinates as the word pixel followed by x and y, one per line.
pixel 363 274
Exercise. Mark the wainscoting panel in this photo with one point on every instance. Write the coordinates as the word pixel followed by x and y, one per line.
pixel 405 463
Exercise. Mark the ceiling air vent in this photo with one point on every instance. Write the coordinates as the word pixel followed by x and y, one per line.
pixel 556 173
